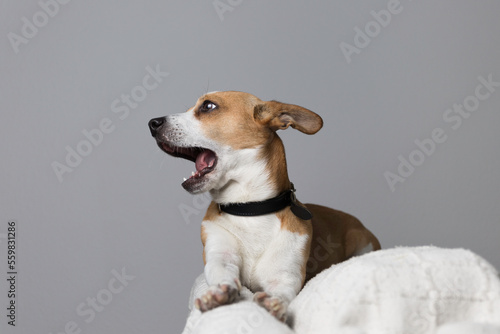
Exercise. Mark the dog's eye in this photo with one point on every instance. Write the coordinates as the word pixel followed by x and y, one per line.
pixel 207 106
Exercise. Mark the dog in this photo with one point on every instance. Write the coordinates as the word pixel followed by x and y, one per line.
pixel 255 232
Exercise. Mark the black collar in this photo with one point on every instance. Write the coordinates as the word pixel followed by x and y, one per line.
pixel 275 204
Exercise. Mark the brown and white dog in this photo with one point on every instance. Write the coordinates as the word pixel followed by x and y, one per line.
pixel 239 158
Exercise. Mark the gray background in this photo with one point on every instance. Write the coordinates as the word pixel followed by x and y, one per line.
pixel 121 207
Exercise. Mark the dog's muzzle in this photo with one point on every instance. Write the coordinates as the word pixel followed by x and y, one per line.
pixel 155 124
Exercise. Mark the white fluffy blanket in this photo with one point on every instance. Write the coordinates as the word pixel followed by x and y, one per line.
pixel 400 290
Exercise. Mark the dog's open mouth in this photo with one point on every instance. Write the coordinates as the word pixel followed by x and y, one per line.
pixel 205 160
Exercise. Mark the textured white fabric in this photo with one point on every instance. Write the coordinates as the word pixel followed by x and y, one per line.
pixel 468 328
pixel 242 317
pixel 401 290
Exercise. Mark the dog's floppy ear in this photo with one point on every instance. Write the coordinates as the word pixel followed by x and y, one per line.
pixel 279 116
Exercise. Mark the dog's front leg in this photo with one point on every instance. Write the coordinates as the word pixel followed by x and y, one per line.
pixel 222 268
pixel 282 280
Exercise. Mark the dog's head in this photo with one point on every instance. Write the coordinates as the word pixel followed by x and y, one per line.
pixel 224 133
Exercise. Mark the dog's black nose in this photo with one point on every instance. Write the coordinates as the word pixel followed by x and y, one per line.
pixel 155 124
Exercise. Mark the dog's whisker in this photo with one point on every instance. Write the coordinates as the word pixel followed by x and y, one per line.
pixel 162 162
pixel 208 85
pixel 153 153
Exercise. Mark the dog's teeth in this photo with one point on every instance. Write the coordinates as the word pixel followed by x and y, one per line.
pixel 184 179
pixel 192 173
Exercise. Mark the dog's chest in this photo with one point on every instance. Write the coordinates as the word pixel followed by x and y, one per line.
pixel 254 234
pixel 256 238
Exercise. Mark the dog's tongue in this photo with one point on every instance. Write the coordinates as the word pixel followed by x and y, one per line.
pixel 205 159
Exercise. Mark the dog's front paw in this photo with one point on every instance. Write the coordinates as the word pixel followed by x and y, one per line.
pixel 274 305
pixel 217 295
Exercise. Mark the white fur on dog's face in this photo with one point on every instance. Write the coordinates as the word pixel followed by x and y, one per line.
pixel 229 130
pixel 183 131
